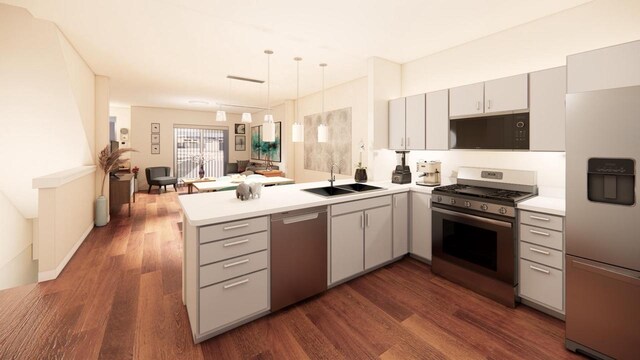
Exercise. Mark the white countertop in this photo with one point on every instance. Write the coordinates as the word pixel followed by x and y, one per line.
pixel 544 204
pixel 216 207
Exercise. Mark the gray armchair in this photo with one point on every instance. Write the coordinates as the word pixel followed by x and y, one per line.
pixel 160 176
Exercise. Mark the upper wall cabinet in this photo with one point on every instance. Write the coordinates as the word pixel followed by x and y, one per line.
pixel 397 126
pixel 407 123
pixel 500 95
pixel 438 120
pixel 607 68
pixel 547 109
pixel 466 100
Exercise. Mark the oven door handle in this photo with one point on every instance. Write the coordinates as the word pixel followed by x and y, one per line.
pixel 473 217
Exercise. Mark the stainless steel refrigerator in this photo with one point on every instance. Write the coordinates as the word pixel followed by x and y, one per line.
pixel 603 223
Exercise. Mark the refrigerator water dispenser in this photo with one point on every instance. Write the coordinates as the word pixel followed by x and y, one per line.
pixel 611 181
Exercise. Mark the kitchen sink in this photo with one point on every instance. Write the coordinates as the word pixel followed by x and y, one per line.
pixel 358 187
pixel 328 191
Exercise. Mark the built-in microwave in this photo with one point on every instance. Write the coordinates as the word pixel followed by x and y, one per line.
pixel 499 132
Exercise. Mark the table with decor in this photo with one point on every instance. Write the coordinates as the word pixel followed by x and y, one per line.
pixel 190 181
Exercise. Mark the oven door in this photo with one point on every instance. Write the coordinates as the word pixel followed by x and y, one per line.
pixel 481 244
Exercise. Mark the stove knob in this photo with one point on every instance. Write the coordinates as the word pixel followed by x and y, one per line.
pixel 453 201
pixel 484 207
pixel 467 204
pixel 439 198
pixel 503 211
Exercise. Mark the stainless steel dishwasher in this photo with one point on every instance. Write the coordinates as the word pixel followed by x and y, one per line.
pixel 298 255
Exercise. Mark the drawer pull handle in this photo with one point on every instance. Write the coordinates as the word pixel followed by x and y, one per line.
pixel 539 233
pixel 236 283
pixel 235 226
pixel 540 251
pixel 235 263
pixel 539 269
pixel 539 218
pixel 236 242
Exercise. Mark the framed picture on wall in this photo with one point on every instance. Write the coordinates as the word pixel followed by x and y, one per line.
pixel 155 128
pixel 155 148
pixel 155 138
pixel 241 129
pixel 241 143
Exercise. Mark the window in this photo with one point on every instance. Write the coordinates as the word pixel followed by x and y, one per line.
pixel 212 143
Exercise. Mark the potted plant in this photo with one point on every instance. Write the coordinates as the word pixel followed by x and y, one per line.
pixel 109 162
pixel 200 159
pixel 361 171
pixel 135 171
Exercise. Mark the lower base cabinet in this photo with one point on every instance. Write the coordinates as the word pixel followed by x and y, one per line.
pixel 400 224
pixel 361 236
pixel 421 225
pixel 233 300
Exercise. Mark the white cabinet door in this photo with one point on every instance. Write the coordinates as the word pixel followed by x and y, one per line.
pixel 347 245
pixel 438 120
pixel 506 94
pixel 400 224
pixel 607 68
pixel 547 109
pixel 378 243
pixel 415 122
pixel 421 225
pixel 466 100
pixel 397 121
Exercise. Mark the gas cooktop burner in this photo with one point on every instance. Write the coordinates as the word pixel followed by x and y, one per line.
pixel 483 192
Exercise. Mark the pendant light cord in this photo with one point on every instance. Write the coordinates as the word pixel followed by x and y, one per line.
pixel 269 83
pixel 297 89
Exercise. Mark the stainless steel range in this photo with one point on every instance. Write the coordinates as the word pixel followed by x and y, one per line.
pixel 474 229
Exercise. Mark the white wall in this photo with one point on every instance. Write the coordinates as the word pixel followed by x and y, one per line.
pixel 537 45
pixel 16 264
pixel 352 94
pixel 141 119
pixel 47 115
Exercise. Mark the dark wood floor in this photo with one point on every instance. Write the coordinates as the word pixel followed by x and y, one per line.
pixel 119 297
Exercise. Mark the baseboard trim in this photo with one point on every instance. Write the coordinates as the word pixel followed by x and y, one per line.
pixel 53 274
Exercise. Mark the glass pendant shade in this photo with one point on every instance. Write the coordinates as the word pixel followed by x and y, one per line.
pixel 297 132
pixel 269 131
pixel 323 133
pixel 246 117
pixel 221 115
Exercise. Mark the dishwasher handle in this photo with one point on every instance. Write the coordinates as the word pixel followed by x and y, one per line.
pixel 300 218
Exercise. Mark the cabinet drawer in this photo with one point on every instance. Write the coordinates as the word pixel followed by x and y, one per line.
pixel 233 300
pixel 541 255
pixel 229 248
pixel 542 284
pixel 231 229
pixel 360 205
pixel 542 220
pixel 540 236
pixel 225 270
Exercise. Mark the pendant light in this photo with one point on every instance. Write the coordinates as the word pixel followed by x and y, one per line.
pixel 323 129
pixel 221 115
pixel 246 117
pixel 269 127
pixel 297 130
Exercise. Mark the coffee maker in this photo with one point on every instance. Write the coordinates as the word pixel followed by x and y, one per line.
pixel 428 173
pixel 402 173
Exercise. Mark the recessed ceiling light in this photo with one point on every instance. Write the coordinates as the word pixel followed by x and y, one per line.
pixel 198 102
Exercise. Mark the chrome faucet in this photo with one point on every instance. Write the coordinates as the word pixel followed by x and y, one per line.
pixel 333 176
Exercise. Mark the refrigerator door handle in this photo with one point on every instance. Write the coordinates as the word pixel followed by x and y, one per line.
pixel 633 280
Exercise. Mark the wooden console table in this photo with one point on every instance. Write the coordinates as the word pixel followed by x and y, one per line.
pixel 121 192
pixel 270 173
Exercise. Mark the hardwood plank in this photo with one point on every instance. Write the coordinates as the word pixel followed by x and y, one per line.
pixel 118 341
pixel 151 253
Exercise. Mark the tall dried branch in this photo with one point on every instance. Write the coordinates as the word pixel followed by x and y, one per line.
pixel 111 161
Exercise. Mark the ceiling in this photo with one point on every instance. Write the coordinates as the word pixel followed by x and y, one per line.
pixel 166 52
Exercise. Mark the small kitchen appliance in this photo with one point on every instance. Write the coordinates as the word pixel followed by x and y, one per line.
pixel 474 229
pixel 402 173
pixel 428 173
